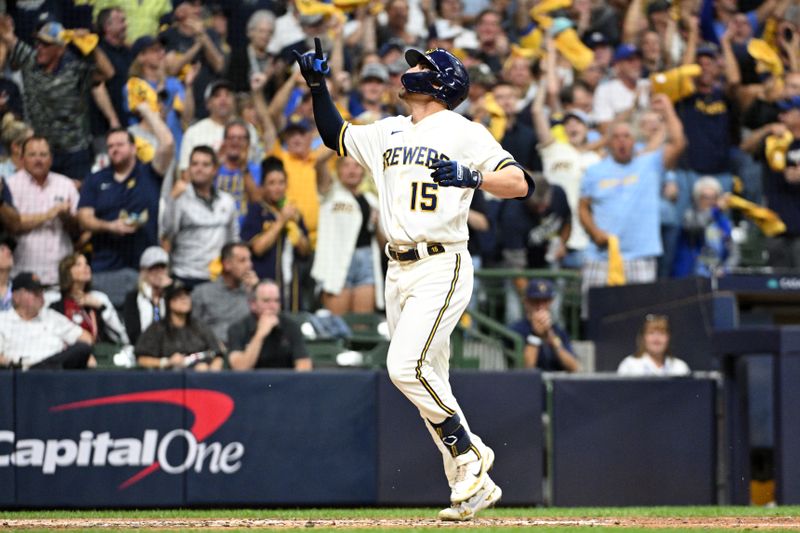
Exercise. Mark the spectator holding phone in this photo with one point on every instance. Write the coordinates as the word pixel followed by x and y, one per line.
pixel 179 342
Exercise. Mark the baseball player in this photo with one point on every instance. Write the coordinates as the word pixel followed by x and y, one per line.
pixel 426 167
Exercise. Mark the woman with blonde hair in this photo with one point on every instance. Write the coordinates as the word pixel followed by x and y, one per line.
pixel 347 260
pixel 13 133
pixel 653 356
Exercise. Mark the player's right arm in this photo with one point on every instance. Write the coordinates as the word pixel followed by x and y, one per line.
pixel 331 126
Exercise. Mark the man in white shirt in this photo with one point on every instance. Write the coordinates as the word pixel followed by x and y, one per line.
pixel 35 337
pixel 564 163
pixel 626 91
pixel 210 131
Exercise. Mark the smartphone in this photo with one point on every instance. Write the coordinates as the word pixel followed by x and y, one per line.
pixel 788 33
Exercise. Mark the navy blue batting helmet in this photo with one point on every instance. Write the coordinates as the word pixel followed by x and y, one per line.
pixel 446 81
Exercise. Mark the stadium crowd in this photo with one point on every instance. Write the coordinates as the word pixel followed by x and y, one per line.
pixel 164 186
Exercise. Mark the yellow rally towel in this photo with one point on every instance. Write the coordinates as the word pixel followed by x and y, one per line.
pixel 139 91
pixel 350 4
pixel 498 120
pixel 293 232
pixel 85 43
pixel 215 268
pixel 460 53
pixel 545 22
pixel 738 185
pixel 676 83
pixel 315 7
pixel 770 32
pixel 145 151
pixel 571 47
pixel 766 219
pixel 775 148
pixel 766 56
pixel 616 267
pixel 548 6
pixel 557 129
pixel 531 40
pixel 525 52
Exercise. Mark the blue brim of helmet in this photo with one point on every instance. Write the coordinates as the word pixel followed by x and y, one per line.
pixel 413 58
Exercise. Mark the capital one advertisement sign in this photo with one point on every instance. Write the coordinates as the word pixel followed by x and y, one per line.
pixel 210 410
pixel 164 439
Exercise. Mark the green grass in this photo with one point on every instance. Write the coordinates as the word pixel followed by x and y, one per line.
pixel 310 515
pixel 400 513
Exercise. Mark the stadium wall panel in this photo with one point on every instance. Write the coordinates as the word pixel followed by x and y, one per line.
pixel 787 410
pixel 7 483
pixel 309 439
pixel 67 439
pixel 622 442
pixel 504 408
pixel 164 439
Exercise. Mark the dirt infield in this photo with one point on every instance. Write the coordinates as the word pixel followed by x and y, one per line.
pixel 776 522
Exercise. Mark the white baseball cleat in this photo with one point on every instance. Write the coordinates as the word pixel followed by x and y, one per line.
pixel 471 472
pixel 486 497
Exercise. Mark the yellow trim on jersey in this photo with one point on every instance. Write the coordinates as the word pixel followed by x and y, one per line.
pixel 430 339
pixel 474 449
pixel 341 150
pixel 504 163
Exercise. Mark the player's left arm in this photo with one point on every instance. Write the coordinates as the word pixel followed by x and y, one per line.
pixel 490 168
pixel 508 182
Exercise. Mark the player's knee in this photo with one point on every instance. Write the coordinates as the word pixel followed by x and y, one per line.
pixel 400 372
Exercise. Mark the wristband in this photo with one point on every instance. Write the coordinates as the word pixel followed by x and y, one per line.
pixel 533 340
pixel 163 363
pixel 478 178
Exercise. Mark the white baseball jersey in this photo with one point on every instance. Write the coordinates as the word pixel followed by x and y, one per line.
pixel 564 165
pixel 413 208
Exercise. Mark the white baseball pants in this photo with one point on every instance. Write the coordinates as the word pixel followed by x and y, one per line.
pixel 424 301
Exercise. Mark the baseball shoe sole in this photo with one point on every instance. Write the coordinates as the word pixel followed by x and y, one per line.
pixel 487 497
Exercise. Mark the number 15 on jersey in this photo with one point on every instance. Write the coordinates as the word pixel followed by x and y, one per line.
pixel 423 196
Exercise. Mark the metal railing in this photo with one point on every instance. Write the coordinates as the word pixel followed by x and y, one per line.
pixel 483 343
pixel 496 282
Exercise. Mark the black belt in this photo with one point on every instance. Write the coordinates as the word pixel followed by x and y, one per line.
pixel 434 248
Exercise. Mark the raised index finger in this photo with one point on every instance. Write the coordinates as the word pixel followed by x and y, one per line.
pixel 318 48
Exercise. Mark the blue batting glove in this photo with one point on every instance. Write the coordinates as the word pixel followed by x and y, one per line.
pixel 454 174
pixel 313 65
